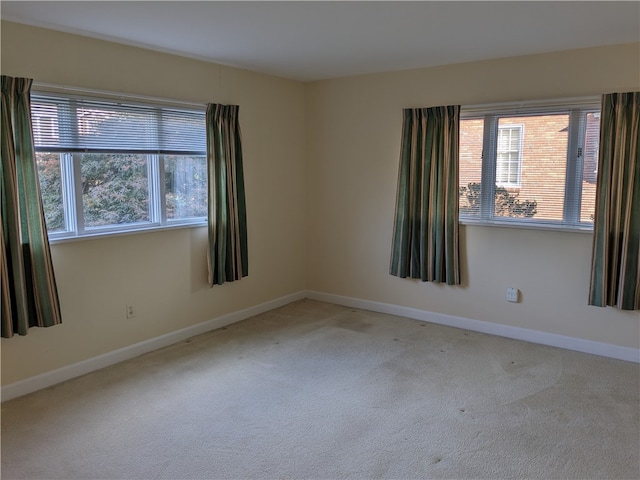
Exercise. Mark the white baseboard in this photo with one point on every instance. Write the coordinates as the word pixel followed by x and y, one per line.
pixel 44 380
pixel 47 379
pixel 517 333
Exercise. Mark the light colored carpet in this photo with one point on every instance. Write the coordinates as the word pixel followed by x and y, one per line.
pixel 314 390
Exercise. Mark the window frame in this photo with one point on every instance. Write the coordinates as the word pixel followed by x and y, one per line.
pixel 71 178
pixel 577 109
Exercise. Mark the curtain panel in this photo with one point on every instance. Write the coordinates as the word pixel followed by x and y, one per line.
pixel 227 218
pixel 425 236
pixel 29 292
pixel 615 262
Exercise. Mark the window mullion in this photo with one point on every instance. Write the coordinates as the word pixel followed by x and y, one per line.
pixel 69 136
pixel 575 160
pixel 162 194
pixel 155 197
pixel 489 155
pixel 78 200
pixel 68 192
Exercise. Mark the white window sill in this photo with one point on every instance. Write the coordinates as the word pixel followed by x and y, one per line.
pixel 555 227
pixel 96 234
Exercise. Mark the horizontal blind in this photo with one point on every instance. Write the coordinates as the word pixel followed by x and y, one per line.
pixel 97 125
pixel 531 107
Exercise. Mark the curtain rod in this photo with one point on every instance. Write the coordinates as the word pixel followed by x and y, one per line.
pixel 110 94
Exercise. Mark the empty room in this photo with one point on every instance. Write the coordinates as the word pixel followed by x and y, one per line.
pixel 282 240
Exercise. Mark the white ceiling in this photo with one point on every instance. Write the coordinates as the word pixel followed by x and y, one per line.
pixel 305 40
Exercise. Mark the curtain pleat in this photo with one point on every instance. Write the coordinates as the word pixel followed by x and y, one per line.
pixel 29 292
pixel 425 238
pixel 227 218
pixel 615 262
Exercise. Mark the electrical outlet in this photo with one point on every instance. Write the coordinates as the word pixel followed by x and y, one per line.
pixel 130 311
pixel 513 295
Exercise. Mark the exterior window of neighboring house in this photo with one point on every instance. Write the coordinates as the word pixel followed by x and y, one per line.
pixel 109 166
pixel 530 164
pixel 509 156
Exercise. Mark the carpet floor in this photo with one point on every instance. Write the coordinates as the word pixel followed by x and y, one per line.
pixel 320 391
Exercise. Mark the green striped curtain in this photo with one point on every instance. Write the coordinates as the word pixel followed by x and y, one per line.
pixel 29 293
pixel 615 262
pixel 425 238
pixel 227 253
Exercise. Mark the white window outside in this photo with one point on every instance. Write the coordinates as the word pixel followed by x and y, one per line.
pixel 509 156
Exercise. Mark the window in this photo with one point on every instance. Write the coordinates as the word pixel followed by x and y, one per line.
pixel 110 165
pixel 530 165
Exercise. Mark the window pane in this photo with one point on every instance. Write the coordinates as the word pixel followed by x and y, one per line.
pixel 539 193
pixel 115 189
pixel 590 168
pixel 50 177
pixel 185 186
pixel 470 166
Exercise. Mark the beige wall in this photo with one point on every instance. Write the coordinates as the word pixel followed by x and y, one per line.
pixel 353 145
pixel 321 224
pixel 163 274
